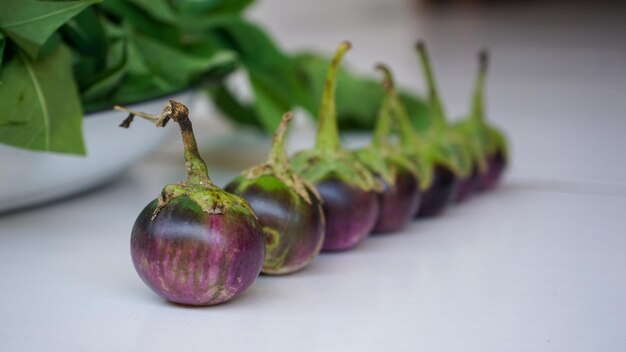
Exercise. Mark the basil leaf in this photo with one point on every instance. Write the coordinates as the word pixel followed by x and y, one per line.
pixel 212 7
pixel 39 105
pixel 85 34
pixel 3 42
pixel 159 10
pixel 269 106
pixel 133 17
pixel 106 81
pixel 230 106
pixel 176 66
pixel 273 75
pixel 30 23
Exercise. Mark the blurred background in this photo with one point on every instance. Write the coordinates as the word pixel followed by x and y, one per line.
pixel 556 82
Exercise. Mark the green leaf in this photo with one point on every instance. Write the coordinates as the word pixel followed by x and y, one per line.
pixel 106 81
pixel 30 23
pixel 85 34
pixel 159 10
pixel 175 66
pixel 3 42
pixel 269 106
pixel 229 105
pixel 39 104
pixel 273 74
pixel 195 7
pixel 156 69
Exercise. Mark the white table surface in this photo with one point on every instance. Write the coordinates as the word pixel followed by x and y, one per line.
pixel 538 265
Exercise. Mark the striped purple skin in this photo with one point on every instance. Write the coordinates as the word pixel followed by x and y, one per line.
pixel 398 203
pixel 467 186
pixel 350 213
pixel 191 257
pixel 440 193
pixel 294 229
pixel 496 164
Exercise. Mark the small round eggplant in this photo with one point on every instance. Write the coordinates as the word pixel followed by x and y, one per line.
pixel 350 213
pixel 196 244
pixel 446 149
pixel 400 196
pixel 440 193
pixel 346 187
pixel 467 186
pixel 496 164
pixel 398 201
pixel 491 144
pixel 189 256
pixel 289 209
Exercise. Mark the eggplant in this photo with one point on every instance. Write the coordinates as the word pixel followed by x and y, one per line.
pixel 195 244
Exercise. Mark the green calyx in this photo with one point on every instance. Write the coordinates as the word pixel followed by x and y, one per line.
pixel 445 145
pixel 198 186
pixel 328 158
pixel 383 156
pixel 411 146
pixel 278 165
pixel 487 140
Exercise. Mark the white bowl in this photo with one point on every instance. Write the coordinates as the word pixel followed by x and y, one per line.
pixel 30 178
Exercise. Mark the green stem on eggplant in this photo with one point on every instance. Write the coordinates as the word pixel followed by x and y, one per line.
pixel 197 172
pixel 327 132
pixel 477 112
pixel 437 113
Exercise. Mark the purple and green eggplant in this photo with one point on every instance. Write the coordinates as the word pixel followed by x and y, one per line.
pixel 288 208
pixel 347 188
pixel 445 149
pixel 195 244
pixel 401 195
pixel 490 146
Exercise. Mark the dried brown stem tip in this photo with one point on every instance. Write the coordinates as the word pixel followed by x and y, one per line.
pixel 173 110
pixel 387 77
pixel 483 59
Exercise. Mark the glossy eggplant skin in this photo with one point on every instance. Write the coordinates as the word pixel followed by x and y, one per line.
pixel 398 202
pixel 440 193
pixel 350 213
pixel 496 163
pixel 293 228
pixel 467 186
pixel 191 257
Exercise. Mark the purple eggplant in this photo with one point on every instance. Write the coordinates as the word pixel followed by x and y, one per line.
pixel 196 244
pixel 490 144
pixel 440 193
pixel 496 164
pixel 347 188
pixel 400 195
pixel 445 148
pixel 467 186
pixel 289 209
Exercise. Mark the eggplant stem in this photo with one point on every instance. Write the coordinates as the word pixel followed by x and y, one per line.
pixel 384 122
pixel 278 156
pixel 197 172
pixel 437 113
pixel 328 130
pixel 477 111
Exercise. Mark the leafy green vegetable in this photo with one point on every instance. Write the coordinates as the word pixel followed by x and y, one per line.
pixel 273 74
pixel 40 105
pixel 124 51
pixel 3 42
pixel 29 23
